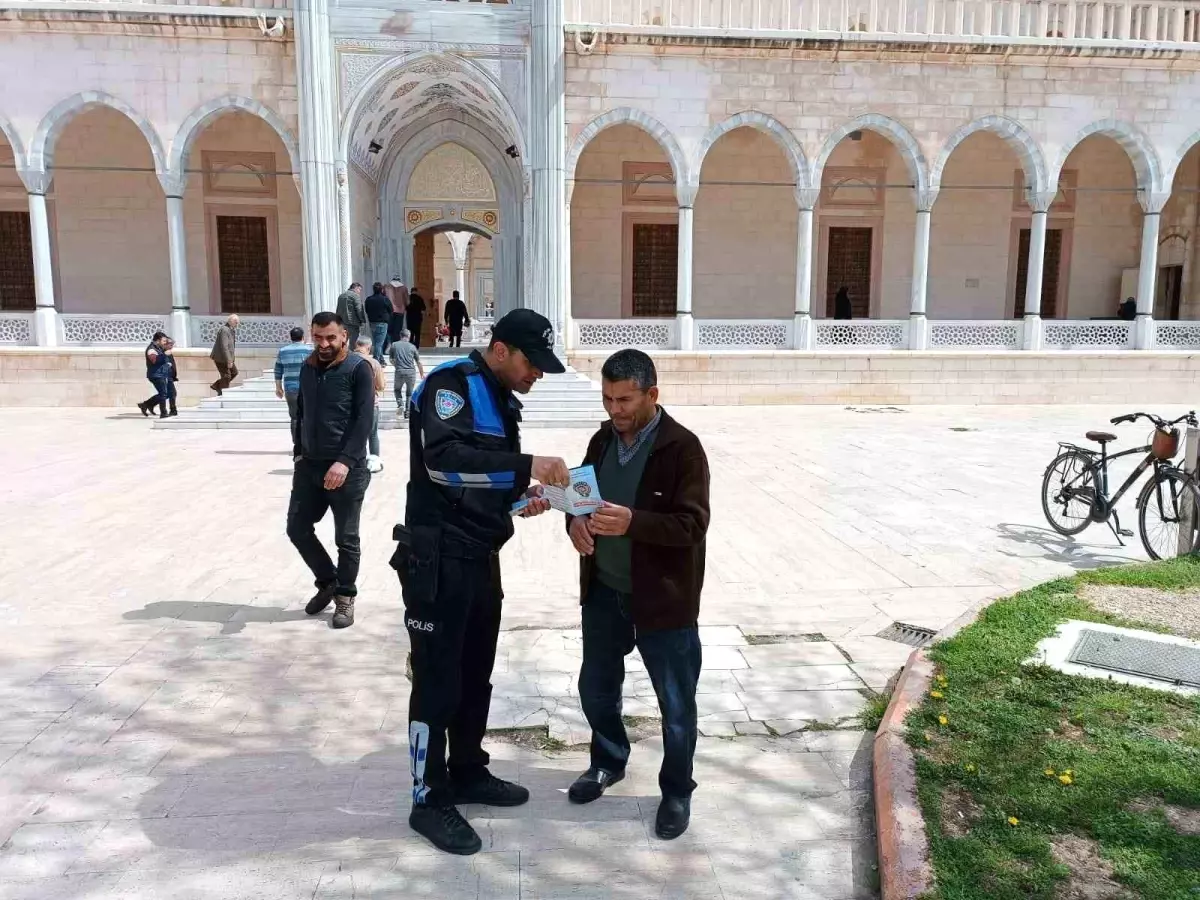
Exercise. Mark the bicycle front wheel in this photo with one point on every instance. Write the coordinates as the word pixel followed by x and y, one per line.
pixel 1069 492
pixel 1168 505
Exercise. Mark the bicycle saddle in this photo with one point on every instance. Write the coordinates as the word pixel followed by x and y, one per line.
pixel 1100 437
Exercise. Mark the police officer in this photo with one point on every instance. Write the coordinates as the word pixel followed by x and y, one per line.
pixel 466 472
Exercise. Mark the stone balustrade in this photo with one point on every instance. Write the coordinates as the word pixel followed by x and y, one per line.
pixel 1073 22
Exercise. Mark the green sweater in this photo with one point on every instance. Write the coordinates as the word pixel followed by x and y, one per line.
pixel 618 484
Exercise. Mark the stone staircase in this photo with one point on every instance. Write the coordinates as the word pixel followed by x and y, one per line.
pixel 570 400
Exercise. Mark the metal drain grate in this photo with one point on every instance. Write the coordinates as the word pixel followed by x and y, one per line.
pixel 1171 663
pixel 912 635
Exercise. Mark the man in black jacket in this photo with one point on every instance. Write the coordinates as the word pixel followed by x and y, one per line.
pixel 456 316
pixel 379 314
pixel 466 470
pixel 334 411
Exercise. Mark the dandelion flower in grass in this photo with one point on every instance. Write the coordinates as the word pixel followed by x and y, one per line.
pixel 1065 778
pixel 943 720
pixel 970 767
pixel 941 679
pixel 1013 820
pixel 936 695
pixel 1049 773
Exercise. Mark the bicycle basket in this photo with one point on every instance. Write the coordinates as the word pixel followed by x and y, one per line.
pixel 1165 444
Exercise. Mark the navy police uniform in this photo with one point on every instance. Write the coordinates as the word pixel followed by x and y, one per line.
pixel 466 471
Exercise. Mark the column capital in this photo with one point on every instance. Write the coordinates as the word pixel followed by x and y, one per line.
pixel 1040 201
pixel 924 198
pixel 685 195
pixel 806 198
pixel 36 181
pixel 1152 202
pixel 173 185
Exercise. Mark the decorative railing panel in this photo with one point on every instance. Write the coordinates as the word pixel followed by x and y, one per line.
pixel 252 331
pixel 761 335
pixel 995 21
pixel 138 330
pixel 1099 335
pixel 16 328
pixel 1177 335
pixel 655 334
pixel 975 335
pixel 862 334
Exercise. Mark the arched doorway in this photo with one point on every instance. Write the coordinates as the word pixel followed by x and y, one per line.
pixel 449 258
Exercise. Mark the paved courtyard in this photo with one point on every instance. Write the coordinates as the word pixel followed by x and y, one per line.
pixel 173 725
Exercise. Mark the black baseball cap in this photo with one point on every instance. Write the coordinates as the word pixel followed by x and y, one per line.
pixel 533 335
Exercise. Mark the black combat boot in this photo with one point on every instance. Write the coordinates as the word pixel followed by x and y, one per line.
pixel 445 828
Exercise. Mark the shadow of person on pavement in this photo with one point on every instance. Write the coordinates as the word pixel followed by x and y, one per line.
pixel 233 616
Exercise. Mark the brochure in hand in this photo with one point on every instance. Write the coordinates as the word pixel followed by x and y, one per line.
pixel 580 498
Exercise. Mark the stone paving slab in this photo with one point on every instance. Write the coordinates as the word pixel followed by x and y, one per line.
pixel 173 725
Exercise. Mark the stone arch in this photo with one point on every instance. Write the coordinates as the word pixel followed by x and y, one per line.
pixel 381 74
pixel 1139 149
pixel 41 150
pixel 14 140
pixel 647 123
pixel 901 138
pixel 202 116
pixel 769 126
pixel 1173 169
pixel 1028 151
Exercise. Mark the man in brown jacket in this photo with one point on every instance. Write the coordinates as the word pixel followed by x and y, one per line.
pixel 642 570
pixel 223 354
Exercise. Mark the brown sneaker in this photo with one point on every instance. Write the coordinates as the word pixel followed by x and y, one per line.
pixel 343 612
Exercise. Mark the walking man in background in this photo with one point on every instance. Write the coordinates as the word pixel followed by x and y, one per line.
pixel 456 316
pixel 352 312
pixel 334 409
pixel 364 349
pixel 159 369
pixel 406 363
pixel 465 472
pixel 415 317
pixel 224 354
pixel 641 572
pixel 379 314
pixel 288 361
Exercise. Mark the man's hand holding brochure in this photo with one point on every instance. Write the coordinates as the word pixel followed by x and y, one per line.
pixel 581 497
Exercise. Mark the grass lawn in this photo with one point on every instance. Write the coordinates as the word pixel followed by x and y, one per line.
pixel 1036 784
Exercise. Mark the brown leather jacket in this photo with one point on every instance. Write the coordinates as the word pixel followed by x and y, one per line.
pixel 670 521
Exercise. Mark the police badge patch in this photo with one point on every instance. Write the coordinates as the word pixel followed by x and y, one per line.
pixel 448 404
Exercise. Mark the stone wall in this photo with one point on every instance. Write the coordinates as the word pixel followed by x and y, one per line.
pixel 692 379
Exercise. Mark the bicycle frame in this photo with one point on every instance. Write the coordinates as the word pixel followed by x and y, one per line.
pixel 1104 503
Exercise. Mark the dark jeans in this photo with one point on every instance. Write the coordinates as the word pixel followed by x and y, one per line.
pixel 290 397
pixel 414 328
pixel 453 636
pixel 227 373
pixel 673 660
pixel 379 333
pixel 164 394
pixel 456 336
pixel 308 505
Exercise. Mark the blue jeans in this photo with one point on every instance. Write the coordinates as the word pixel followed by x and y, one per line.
pixel 673 660
pixel 379 332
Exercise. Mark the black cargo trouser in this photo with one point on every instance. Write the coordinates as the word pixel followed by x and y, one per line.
pixel 309 503
pixel 452 606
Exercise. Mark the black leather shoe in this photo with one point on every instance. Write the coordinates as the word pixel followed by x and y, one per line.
pixel 321 599
pixel 674 814
pixel 491 791
pixel 591 784
pixel 445 828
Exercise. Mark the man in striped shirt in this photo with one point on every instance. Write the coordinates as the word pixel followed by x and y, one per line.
pixel 287 372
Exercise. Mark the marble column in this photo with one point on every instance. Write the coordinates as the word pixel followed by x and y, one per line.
pixel 318 154
pixel 803 330
pixel 569 336
pixel 180 327
pixel 685 324
pixel 45 317
pixel 345 251
pixel 918 321
pixel 460 246
pixel 1032 328
pixel 547 148
pixel 1143 325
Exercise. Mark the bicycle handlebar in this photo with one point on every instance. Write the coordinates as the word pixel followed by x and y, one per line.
pixel 1159 422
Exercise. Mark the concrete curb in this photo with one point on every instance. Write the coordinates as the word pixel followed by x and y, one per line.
pixel 904 866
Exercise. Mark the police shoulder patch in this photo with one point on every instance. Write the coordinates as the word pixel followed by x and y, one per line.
pixel 448 404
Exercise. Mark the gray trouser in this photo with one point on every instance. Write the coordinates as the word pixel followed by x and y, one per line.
pixel 403 380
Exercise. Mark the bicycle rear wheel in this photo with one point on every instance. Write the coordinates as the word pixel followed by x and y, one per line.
pixel 1168 498
pixel 1069 492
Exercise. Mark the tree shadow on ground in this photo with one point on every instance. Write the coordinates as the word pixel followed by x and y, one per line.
pixel 233 616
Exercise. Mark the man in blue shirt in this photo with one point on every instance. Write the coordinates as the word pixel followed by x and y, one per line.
pixel 287 372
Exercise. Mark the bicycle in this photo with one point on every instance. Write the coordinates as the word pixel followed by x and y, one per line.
pixel 1076 484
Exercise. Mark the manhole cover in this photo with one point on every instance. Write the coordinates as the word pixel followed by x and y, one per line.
pixel 1161 661
pixel 913 635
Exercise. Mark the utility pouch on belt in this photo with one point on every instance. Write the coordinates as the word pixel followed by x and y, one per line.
pixel 417 563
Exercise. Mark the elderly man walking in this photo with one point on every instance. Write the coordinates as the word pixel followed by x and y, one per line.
pixel 642 569
pixel 223 354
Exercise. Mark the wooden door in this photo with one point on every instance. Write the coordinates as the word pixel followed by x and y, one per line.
pixel 1051 273
pixel 16 262
pixel 849 266
pixel 426 285
pixel 244 263
pixel 1169 292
